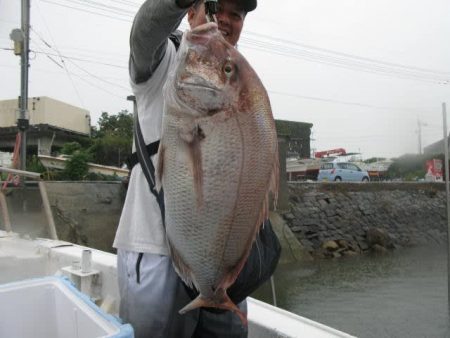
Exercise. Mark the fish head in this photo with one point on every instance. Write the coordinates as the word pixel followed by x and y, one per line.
pixel 211 75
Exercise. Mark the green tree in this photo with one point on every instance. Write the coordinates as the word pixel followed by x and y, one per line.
pixel 76 167
pixel 110 150
pixel 34 165
pixel 411 167
pixel 113 140
pixel 119 125
pixel 70 147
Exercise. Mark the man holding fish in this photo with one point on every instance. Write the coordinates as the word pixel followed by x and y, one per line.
pixel 187 249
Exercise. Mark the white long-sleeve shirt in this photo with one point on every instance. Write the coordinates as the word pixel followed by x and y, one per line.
pixel 152 55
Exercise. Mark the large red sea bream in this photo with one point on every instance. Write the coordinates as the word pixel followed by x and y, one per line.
pixel 218 161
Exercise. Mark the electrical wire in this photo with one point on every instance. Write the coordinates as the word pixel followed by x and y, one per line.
pixel 346 55
pixel 99 88
pixel 54 47
pixel 321 99
pixel 91 75
pixel 86 11
pixel 84 60
pixel 313 98
pixel 79 67
pixel 282 47
pixel 294 49
pixel 99 78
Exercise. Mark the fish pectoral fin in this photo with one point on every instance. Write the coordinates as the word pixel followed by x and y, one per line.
pixel 195 160
pixel 221 301
pixel 159 168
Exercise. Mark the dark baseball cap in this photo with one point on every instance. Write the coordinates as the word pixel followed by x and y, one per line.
pixel 249 5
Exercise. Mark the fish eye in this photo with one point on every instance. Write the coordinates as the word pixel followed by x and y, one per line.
pixel 228 68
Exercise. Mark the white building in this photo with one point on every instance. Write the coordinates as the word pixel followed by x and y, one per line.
pixel 52 123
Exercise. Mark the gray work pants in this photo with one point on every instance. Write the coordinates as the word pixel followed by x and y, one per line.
pixel 152 306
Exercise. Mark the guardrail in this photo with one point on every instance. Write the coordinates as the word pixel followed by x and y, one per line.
pixel 44 196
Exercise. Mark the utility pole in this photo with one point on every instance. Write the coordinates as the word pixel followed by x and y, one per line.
pixel 420 124
pixel 447 194
pixel 21 38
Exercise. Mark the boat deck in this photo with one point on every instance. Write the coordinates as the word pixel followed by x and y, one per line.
pixel 22 258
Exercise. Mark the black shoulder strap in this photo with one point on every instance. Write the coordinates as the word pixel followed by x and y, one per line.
pixel 147 165
pixel 176 37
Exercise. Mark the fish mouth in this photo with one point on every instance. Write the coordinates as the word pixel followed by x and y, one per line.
pixel 186 85
pixel 197 83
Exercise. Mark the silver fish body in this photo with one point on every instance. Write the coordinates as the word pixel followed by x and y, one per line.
pixel 218 160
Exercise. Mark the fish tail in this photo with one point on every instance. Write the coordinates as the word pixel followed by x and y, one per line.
pixel 223 302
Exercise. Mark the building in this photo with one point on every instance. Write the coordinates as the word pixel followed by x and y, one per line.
pixel 52 123
pixel 298 137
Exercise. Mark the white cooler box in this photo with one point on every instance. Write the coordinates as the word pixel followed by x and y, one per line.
pixel 52 307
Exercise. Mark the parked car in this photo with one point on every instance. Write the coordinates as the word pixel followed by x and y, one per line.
pixel 343 171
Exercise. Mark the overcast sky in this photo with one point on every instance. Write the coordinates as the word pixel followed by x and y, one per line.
pixel 362 72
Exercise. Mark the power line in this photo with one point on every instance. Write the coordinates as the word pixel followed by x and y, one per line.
pixel 79 67
pixel 103 7
pixel 343 63
pixel 315 98
pixel 99 78
pixel 86 11
pixel 84 60
pixel 94 85
pixel 85 71
pixel 79 77
pixel 59 55
pixel 100 88
pixel 294 49
pixel 90 52
pixel 129 3
pixel 63 66
pixel 347 55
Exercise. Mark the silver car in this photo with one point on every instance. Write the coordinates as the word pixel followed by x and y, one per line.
pixel 343 171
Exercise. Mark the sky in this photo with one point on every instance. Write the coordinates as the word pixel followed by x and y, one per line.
pixel 365 73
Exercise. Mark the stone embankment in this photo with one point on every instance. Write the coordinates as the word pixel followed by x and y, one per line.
pixel 339 219
pixel 327 219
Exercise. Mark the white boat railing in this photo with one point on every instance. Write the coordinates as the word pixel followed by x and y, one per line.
pixel 44 196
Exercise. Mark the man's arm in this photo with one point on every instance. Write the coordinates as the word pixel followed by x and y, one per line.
pixel 153 23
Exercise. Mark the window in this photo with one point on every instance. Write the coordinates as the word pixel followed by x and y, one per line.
pixel 326 166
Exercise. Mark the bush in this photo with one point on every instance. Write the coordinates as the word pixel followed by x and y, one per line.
pixel 70 148
pixel 34 165
pixel 76 167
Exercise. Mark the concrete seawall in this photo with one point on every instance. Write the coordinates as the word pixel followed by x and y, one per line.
pixel 335 219
pixel 327 219
pixel 85 213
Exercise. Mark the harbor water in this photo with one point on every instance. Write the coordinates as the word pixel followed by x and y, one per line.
pixel 399 294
